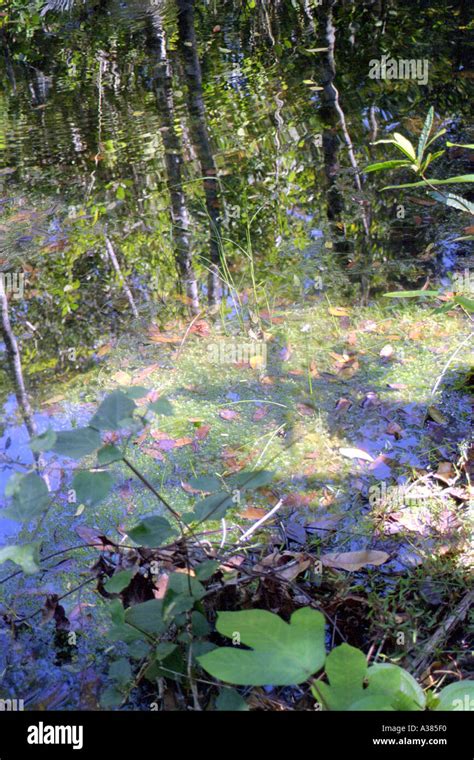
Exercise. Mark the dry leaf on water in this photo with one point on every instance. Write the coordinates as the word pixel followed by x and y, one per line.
pixel 353 561
pixel 353 453
pixel 228 414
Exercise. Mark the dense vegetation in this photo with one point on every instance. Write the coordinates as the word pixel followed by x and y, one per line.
pixel 236 290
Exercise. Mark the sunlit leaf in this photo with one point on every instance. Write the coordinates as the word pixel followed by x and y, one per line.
pixel 114 412
pixel 25 556
pixel 281 653
pixel 91 487
pixel 77 443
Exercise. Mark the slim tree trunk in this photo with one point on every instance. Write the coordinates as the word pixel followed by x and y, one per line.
pixel 14 360
pixel 163 85
pixel 200 137
pixel 113 258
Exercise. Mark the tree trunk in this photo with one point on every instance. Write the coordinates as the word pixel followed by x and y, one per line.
pixel 163 85
pixel 201 142
pixel 14 360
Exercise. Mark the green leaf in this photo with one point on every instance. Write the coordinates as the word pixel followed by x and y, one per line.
pixel 385 165
pixel 411 293
pixel 43 442
pixel 251 479
pixel 206 569
pixel 26 557
pixel 282 654
pixel 200 625
pixel 182 583
pixel 391 679
pixel 373 703
pixel 91 487
pixel 205 483
pixel 425 133
pixel 114 412
pixel 152 531
pixel 77 443
pixel 229 700
pixel 164 649
pixel 346 668
pixel 147 617
pixel 465 302
pixel 161 406
pixel 135 391
pixel 450 181
pixel 108 454
pixel 213 507
pixel 121 672
pixel 455 201
pixel 456 697
pixel 432 157
pixel 30 496
pixel 111 697
pixel 438 134
pixel 459 145
pixel 404 144
pixel 119 581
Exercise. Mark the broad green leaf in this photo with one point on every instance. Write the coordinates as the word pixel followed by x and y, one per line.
pixel 213 507
pixel 411 293
pixel 164 649
pixel 161 406
pixel 121 672
pixel 385 677
pixel 108 454
pixel 425 133
pixel 111 697
pixel 26 556
pixel 43 442
pixel 147 617
pixel 30 496
pixel 206 569
pixel 450 181
pixel 77 443
pixel 182 583
pixel 91 487
pixel 346 668
pixel 229 700
pixel 404 144
pixel 251 479
pixel 135 391
pixel 152 531
pixel 456 697
pixel 115 411
pixel 119 581
pixel 205 483
pixel 282 654
pixel 385 165
pixel 199 624
pixel 373 703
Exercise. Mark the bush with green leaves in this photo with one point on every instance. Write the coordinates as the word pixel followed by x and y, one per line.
pixel 174 636
pixel 418 160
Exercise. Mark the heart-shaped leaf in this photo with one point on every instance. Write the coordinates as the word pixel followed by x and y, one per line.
pixel 76 443
pixel 114 412
pixel 91 487
pixel 282 653
pixel 30 496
